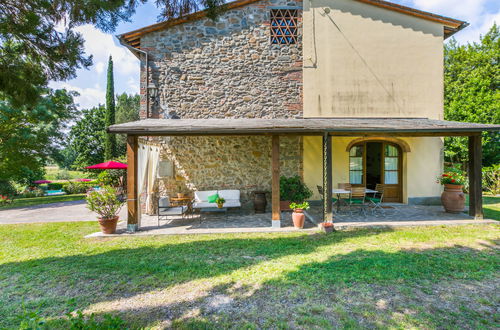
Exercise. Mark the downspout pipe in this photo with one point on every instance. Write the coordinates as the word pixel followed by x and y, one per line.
pixel 135 51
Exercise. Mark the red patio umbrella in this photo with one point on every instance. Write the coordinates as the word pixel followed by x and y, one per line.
pixel 42 181
pixel 108 166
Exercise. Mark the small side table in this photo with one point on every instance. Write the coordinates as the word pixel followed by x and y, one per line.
pixel 182 201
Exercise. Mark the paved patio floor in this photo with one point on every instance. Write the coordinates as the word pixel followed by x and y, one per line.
pixel 236 222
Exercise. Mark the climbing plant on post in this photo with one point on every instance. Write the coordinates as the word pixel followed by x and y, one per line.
pixel 110 139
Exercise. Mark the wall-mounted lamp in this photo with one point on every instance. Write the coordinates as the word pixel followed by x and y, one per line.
pixel 152 90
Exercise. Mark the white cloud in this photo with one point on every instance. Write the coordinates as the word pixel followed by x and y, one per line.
pixel 88 98
pixel 474 12
pixel 99 67
pixel 100 45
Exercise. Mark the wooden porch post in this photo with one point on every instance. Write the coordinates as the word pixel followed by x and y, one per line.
pixel 275 185
pixel 327 178
pixel 475 177
pixel 132 198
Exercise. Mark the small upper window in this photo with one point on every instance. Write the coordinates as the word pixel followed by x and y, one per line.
pixel 284 26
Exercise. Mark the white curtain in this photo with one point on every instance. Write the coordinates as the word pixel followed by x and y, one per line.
pixel 154 158
pixel 142 168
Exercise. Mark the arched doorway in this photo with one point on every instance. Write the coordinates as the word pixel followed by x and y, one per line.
pixel 377 162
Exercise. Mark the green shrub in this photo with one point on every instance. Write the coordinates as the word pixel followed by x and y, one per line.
pixel 104 202
pixel 110 178
pixel 293 189
pixel 33 192
pixel 7 189
pixel 63 175
pixel 491 179
pixel 54 186
pixel 76 187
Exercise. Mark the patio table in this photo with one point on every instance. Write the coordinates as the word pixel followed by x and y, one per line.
pixel 339 191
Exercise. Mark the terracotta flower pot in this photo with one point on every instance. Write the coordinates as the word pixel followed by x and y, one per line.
pixel 108 226
pixel 298 218
pixel 285 206
pixel 220 205
pixel 181 195
pixel 453 198
pixel 326 227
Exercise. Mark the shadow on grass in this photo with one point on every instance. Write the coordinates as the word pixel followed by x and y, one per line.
pixel 345 291
pixel 57 285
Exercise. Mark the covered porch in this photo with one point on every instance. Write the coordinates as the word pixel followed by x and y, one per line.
pixel 326 128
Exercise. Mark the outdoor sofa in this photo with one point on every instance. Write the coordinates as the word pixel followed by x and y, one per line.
pixel 232 198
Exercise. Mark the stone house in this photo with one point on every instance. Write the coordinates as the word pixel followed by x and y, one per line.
pixel 291 60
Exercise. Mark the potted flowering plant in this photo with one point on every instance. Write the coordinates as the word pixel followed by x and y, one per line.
pixel 298 215
pixel 106 204
pixel 220 202
pixel 4 200
pixel 452 198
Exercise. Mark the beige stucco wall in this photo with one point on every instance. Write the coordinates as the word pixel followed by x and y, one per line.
pixel 367 61
pixel 421 165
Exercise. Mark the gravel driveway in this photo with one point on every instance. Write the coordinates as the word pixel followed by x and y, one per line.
pixel 55 212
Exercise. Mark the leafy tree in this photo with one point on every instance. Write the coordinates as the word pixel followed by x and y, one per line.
pixel 33 50
pixel 472 79
pixel 127 109
pixel 87 138
pixel 30 135
pixel 110 139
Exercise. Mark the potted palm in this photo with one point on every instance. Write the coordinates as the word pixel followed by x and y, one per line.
pixel 298 215
pixel 453 197
pixel 220 202
pixel 106 204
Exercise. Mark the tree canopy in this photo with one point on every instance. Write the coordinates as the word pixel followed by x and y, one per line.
pixel 29 136
pixel 472 80
pixel 38 42
pixel 87 138
pixel 127 109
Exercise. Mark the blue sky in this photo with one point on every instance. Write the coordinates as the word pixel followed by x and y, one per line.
pixel 91 83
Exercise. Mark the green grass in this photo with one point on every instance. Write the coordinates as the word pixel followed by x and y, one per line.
pixel 491 207
pixel 24 202
pixel 423 277
pixel 53 172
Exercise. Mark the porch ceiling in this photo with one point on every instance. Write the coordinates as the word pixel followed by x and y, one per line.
pixel 312 126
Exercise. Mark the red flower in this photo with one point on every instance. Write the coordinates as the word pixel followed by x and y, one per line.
pixel 453 180
pixel 445 175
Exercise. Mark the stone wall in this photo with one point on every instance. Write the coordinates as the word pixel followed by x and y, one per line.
pixel 210 163
pixel 225 69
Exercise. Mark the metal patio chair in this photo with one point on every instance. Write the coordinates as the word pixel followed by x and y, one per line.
pixel 377 199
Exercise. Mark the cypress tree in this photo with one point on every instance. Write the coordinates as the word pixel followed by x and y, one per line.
pixel 110 141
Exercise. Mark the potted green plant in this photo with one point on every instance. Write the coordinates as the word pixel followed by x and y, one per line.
pixel 298 215
pixel 292 189
pixel 220 202
pixel 453 197
pixel 106 204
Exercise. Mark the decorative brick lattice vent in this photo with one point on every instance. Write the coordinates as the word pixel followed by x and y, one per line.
pixel 284 29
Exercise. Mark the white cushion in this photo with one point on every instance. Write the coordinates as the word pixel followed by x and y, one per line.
pixel 228 203
pixel 178 210
pixel 164 202
pixel 202 196
pixel 230 194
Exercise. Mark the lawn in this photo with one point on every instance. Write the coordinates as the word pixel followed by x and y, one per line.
pixel 55 173
pixel 491 207
pixel 424 277
pixel 23 202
